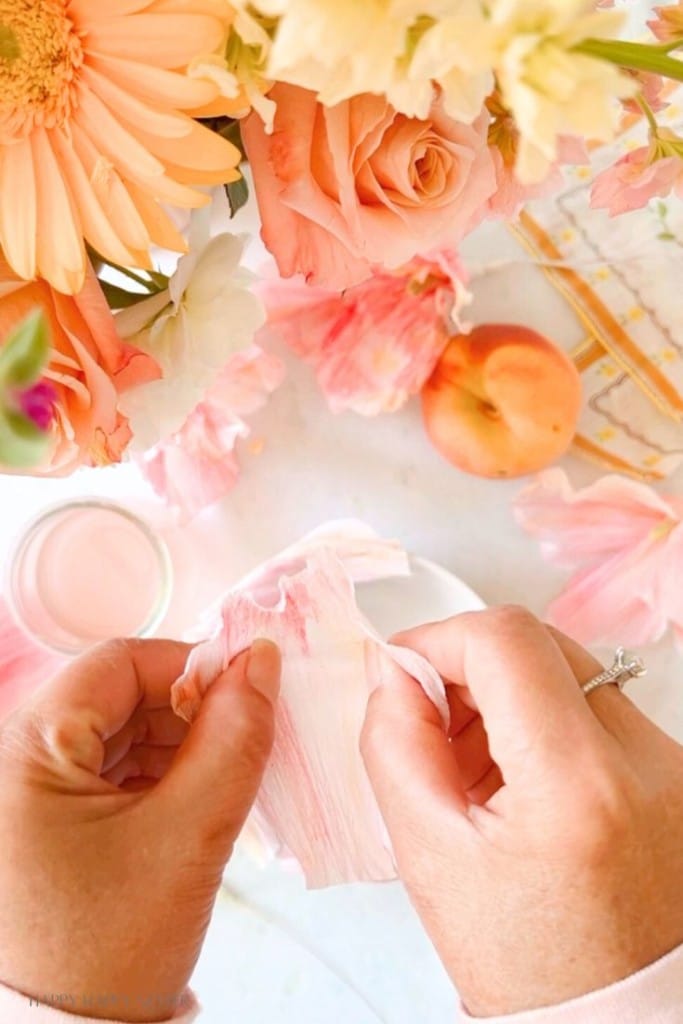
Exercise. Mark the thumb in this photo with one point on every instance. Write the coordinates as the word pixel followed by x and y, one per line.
pixel 409 760
pixel 218 770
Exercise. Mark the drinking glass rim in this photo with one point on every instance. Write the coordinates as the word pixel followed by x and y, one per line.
pixel 22 540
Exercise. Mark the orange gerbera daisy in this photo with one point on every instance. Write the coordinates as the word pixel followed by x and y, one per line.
pixel 95 132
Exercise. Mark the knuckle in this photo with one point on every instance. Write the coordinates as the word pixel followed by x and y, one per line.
pixel 111 650
pixel 511 617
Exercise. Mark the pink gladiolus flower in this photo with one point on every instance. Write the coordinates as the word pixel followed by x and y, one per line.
pixel 347 188
pixel 511 195
pixel 315 803
pixel 374 345
pixel 636 179
pixel 198 465
pixel 652 91
pixel 628 543
pixel 24 664
pixel 668 23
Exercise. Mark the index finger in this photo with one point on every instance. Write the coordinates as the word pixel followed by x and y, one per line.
pixel 107 684
pixel 511 669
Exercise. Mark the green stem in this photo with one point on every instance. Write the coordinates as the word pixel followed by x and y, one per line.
pixel 647 110
pixel 143 281
pixel 634 56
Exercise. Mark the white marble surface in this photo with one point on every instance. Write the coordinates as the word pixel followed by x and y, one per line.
pixel 274 951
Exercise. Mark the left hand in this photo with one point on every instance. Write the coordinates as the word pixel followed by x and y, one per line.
pixel 117 820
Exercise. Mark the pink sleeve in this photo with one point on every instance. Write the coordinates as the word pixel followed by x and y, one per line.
pixel 21 1009
pixel 653 996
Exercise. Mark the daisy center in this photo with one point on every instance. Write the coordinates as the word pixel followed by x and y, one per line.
pixel 40 54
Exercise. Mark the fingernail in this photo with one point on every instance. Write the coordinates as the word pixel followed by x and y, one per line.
pixel 263 668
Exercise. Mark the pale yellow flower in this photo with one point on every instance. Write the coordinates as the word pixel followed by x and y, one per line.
pixel 238 70
pixel 341 48
pixel 552 89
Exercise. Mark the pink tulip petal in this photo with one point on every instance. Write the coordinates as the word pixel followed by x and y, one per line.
pixel 629 541
pixel 669 586
pixel 316 798
pixel 612 603
pixel 575 525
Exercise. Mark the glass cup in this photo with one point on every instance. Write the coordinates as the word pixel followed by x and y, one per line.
pixel 86 571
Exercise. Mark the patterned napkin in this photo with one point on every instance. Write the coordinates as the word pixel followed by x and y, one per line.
pixel 623 279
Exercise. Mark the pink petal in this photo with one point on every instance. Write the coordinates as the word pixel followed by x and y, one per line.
pixel 24 664
pixel 198 466
pixel 376 344
pixel 619 600
pixel 316 798
pixel 610 515
pixel 634 180
pixel 364 554
pixel 669 584
pixel 248 380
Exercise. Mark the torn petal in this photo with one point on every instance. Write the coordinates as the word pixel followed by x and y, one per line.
pixel 316 797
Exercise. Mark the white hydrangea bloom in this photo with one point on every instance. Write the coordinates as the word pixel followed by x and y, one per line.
pixel 192 329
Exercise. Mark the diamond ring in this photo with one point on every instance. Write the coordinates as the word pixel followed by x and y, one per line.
pixel 626 666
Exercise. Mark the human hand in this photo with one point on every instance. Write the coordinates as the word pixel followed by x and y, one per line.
pixel 542 842
pixel 117 820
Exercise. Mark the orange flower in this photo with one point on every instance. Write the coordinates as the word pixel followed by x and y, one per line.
pixel 94 129
pixel 89 368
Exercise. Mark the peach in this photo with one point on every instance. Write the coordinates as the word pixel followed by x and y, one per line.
pixel 503 401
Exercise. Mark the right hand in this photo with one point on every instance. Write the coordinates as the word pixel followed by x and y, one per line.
pixel 542 842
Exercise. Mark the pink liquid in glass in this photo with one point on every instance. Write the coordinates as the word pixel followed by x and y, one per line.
pixel 87 572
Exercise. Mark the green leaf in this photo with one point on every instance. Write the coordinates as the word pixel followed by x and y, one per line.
pixel 159 280
pixel 22 444
pixel 119 298
pixel 666 236
pixel 662 209
pixel 25 352
pixel 232 131
pixel 238 195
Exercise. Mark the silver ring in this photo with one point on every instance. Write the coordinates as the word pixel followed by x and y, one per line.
pixel 627 666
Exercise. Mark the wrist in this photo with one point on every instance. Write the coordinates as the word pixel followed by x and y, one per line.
pixel 543 982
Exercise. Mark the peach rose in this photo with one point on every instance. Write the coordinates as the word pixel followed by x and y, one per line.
pixel 89 367
pixel 347 188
